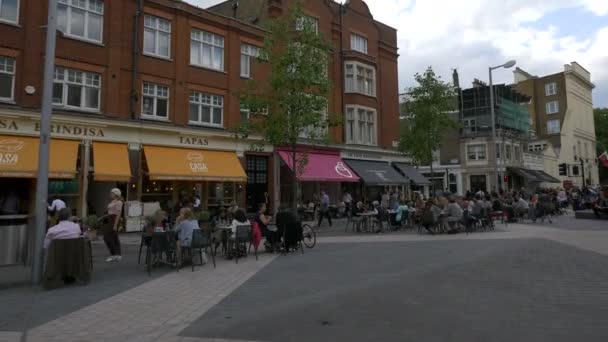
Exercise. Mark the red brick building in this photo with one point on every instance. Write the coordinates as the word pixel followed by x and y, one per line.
pixel 133 76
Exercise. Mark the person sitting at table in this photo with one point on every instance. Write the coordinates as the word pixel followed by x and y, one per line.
pixel 454 215
pixel 601 206
pixel 185 228
pixel 64 229
pixel 401 214
pixel 430 216
pixel 155 223
pixel 240 219
pixel 520 207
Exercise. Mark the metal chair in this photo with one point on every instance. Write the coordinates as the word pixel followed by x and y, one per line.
pixel 201 240
pixel 241 238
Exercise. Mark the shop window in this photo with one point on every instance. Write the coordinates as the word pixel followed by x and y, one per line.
pixel 155 102
pixel 157 36
pixel 82 19
pixel 7 78
pixel 66 190
pixel 221 193
pixel 76 89
pixel 206 109
pixel 207 50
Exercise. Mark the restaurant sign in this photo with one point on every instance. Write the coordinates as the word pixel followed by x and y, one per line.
pixel 73 130
pixel 9 151
pixel 193 141
pixel 195 161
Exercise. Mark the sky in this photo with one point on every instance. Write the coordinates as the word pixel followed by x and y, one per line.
pixel 472 35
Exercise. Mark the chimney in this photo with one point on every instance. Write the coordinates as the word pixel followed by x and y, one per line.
pixel 235 8
pixel 456 79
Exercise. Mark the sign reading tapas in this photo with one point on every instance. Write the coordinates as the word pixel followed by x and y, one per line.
pixel 196 162
pixel 9 151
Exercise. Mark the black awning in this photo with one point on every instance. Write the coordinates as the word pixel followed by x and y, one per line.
pixel 529 175
pixel 376 172
pixel 545 177
pixel 412 174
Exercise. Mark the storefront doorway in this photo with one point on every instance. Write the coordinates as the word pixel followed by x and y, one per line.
pixel 478 182
pixel 257 182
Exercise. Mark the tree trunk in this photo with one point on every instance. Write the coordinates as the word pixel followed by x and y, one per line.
pixel 294 185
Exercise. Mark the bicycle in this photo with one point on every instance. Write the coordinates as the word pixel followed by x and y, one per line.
pixel 309 237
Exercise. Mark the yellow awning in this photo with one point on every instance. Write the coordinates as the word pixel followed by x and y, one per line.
pixel 166 163
pixel 19 157
pixel 111 162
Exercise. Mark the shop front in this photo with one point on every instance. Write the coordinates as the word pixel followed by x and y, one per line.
pixel 416 181
pixel 18 172
pixel 324 170
pixel 378 177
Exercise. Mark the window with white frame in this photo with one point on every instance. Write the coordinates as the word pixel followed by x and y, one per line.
pixel 81 18
pixel 508 151
pixel 155 101
pixel 76 89
pixel 550 89
pixel 7 78
pixel 358 43
pixel 360 78
pixel 206 109
pixel 476 152
pixel 307 20
pixel 207 50
pixel 361 125
pixel 470 125
pixel 9 11
pixel 553 127
pixel 157 36
pixel 552 107
pixel 248 53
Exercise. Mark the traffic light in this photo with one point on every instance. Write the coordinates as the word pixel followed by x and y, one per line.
pixel 506 179
pixel 563 169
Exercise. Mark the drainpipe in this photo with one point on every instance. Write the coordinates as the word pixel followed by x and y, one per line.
pixel 135 54
pixel 342 87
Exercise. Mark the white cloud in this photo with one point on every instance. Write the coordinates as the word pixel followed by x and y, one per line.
pixel 472 35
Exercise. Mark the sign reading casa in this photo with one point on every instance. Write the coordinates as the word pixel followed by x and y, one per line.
pixel 9 151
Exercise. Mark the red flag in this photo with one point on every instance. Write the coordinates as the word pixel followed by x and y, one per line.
pixel 604 159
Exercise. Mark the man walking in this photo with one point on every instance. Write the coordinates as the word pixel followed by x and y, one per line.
pixel 324 208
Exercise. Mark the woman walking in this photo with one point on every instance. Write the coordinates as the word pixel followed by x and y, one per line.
pixel 110 235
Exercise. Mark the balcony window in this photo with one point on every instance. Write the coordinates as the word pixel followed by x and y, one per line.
pixel 207 50
pixel 82 19
pixel 9 11
pixel 361 125
pixel 476 152
pixel 358 43
pixel 7 79
pixel 360 78
pixel 157 36
pixel 206 109
pixel 155 103
pixel 76 89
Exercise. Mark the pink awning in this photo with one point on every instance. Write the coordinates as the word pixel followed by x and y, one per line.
pixel 322 168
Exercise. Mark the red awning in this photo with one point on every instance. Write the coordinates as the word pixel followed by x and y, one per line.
pixel 322 168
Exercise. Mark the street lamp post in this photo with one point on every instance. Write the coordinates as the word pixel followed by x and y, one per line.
pixel 497 182
pixel 42 182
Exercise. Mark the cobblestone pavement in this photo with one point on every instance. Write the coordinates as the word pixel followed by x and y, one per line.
pixel 521 283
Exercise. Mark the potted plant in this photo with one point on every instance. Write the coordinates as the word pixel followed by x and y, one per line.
pixel 91 224
pixel 203 219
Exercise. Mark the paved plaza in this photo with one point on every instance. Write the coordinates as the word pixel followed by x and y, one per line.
pixel 524 282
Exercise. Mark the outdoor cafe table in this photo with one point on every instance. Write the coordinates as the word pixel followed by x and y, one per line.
pixel 367 218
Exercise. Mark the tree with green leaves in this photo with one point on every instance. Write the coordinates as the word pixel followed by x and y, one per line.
pixel 428 103
pixel 294 96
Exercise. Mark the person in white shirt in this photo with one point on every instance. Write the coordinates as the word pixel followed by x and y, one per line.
pixel 57 204
pixel 63 230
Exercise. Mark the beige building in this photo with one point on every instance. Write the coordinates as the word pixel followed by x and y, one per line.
pixel 561 115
